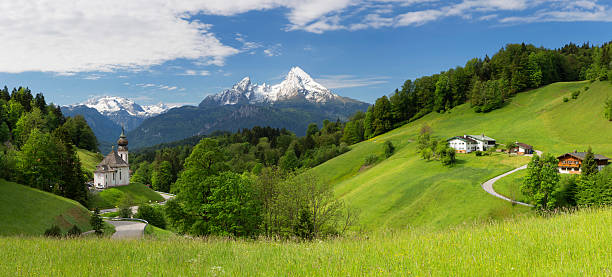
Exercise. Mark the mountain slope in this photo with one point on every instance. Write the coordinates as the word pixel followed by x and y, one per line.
pixel 292 104
pixel 27 211
pixel 405 190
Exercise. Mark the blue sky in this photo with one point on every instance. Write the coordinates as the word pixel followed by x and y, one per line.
pixel 180 51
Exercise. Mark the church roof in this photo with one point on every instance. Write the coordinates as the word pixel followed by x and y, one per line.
pixel 112 160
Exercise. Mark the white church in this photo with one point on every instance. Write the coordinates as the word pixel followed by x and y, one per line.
pixel 114 169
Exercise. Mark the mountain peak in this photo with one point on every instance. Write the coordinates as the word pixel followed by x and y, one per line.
pixel 296 71
pixel 297 86
pixel 113 104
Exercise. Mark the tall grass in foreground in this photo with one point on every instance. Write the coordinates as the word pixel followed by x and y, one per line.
pixel 568 244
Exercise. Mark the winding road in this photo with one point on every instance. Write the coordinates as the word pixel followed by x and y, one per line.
pixel 127 229
pixel 488 185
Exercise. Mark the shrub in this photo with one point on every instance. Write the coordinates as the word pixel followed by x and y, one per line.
pixel 125 212
pixel 53 231
pixel 389 149
pixel 75 231
pixel 575 94
pixel 478 153
pixel 565 99
pixel 586 88
pixel 153 215
pixel 370 160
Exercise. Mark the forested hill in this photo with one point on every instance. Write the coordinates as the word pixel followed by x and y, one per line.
pixel 38 144
pixel 485 83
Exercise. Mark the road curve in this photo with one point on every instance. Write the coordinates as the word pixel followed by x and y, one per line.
pixel 127 229
pixel 488 185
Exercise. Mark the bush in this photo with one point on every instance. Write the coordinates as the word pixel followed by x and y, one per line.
pixel 586 88
pixel 75 231
pixel 125 212
pixel 565 99
pixel 575 94
pixel 153 215
pixel 370 160
pixel 53 231
pixel 389 149
pixel 478 153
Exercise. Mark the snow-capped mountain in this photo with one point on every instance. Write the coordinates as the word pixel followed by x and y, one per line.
pixel 111 104
pixel 106 115
pixel 297 85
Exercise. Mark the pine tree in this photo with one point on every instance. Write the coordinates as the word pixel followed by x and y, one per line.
pixel 96 222
pixel 589 165
pixel 368 130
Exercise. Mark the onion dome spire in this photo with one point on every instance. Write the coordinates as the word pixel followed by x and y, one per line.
pixel 122 138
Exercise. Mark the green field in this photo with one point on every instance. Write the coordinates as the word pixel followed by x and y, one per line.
pixel 510 186
pixel 28 211
pixel 564 245
pixel 153 232
pixel 89 160
pixel 407 191
pixel 135 192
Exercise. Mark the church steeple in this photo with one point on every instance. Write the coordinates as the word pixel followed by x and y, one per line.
pixel 122 142
pixel 122 148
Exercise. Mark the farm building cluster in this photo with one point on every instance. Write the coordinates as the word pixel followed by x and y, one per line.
pixel 569 163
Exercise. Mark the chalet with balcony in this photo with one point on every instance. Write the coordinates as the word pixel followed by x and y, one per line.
pixel 570 163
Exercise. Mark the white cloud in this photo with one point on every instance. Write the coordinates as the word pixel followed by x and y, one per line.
pixel 191 72
pixel 157 86
pixel 350 81
pixel 274 50
pixel 76 36
pixel 92 77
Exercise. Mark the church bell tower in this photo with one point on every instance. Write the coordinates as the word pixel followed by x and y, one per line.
pixel 122 148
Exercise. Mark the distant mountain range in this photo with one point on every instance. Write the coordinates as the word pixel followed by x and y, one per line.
pixel 107 114
pixel 292 104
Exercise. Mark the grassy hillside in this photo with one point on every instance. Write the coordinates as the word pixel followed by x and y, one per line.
pixel 137 194
pixel 564 245
pixel 407 191
pixel 24 210
pixel 89 160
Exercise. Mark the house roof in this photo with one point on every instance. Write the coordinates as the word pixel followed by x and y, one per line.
pixel 524 146
pixel 112 160
pixel 466 139
pixel 582 155
pixel 481 137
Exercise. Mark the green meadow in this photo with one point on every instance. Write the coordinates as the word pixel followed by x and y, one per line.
pixel 89 160
pixel 28 211
pixel 406 191
pixel 134 193
pixel 562 245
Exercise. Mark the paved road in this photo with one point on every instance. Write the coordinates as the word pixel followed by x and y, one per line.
pixel 127 229
pixel 488 185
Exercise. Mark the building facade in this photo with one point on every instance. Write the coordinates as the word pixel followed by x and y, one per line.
pixel 114 169
pixel 470 143
pixel 522 149
pixel 571 163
